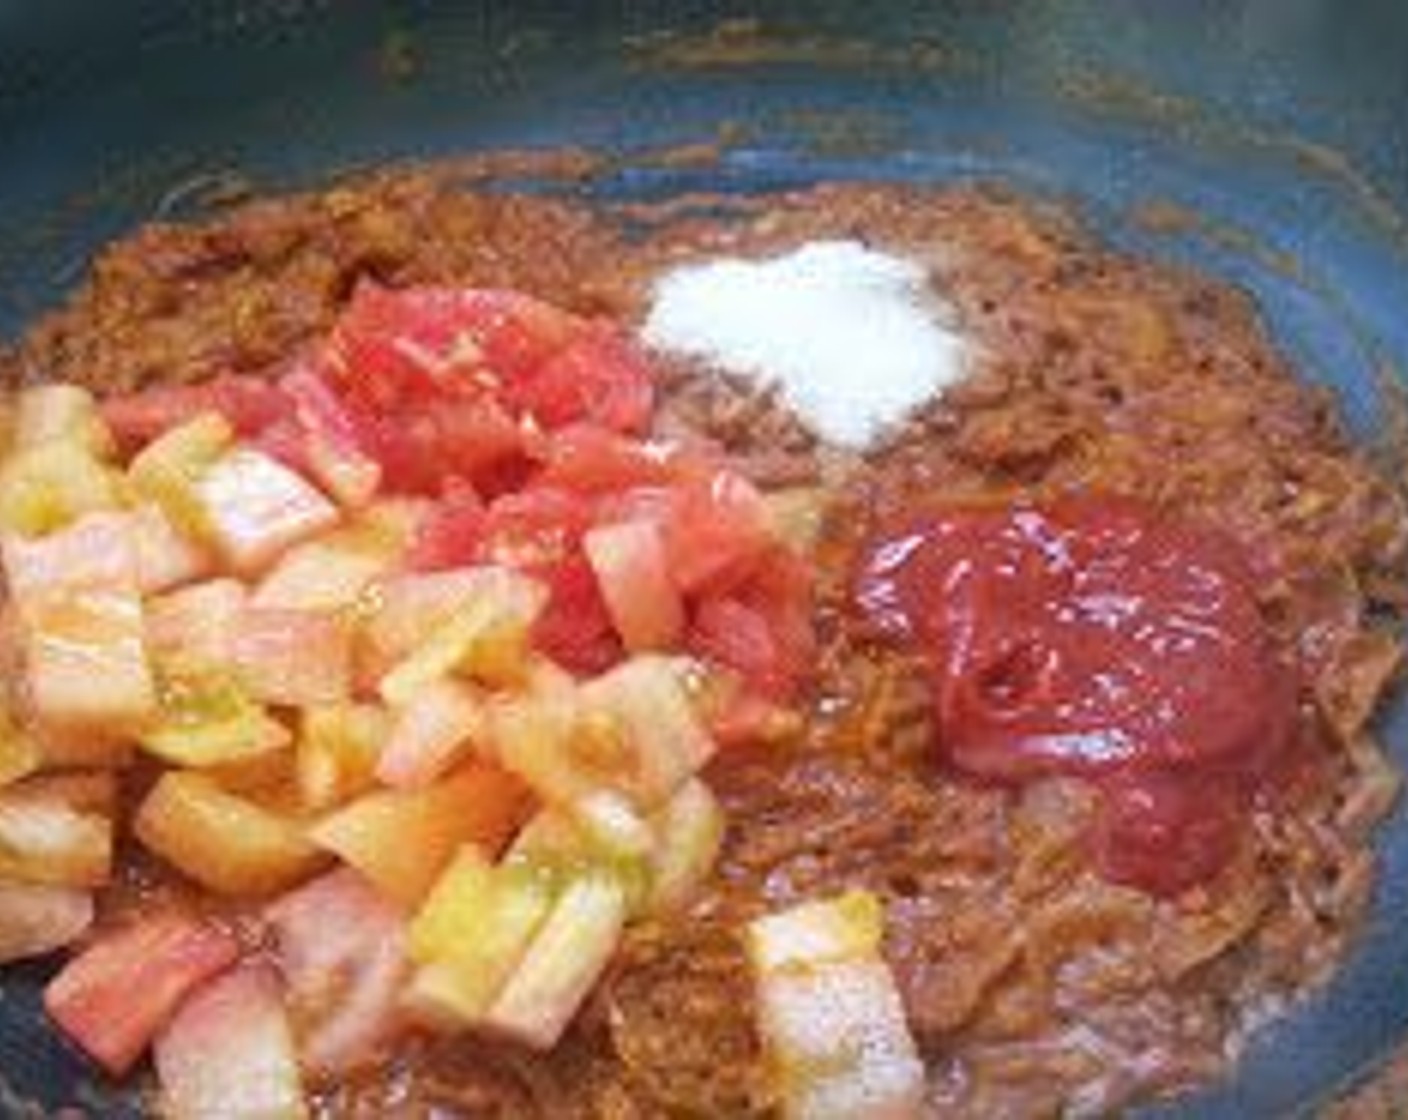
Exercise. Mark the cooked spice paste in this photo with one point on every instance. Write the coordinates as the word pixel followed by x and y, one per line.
pixel 1032 982
pixel 1093 638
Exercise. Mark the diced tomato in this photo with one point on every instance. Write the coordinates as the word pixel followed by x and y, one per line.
pixel 575 629
pixel 387 345
pixel 393 345
pixel 258 508
pixel 96 552
pixel 432 731
pixel 652 504
pixel 746 719
pixel 535 528
pixel 402 839
pixel 761 630
pixel 334 441
pixel 292 657
pixel 718 531
pixel 165 558
pixel 515 332
pixel 416 447
pixel 487 642
pixel 732 634
pixel 470 936
pixel 391 348
pixel 284 440
pixel 78 602
pixel 829 1011
pixel 598 377
pixel 540 532
pixel 567 955
pixel 690 831
pixel 117 994
pixel 341 949
pixel 452 533
pixel 424 442
pixel 506 475
pixel 49 840
pixel 229 1050
pixel 37 918
pixel 250 404
pixel 321 575
pixel 595 460
pixel 57 411
pixel 196 625
pixel 224 841
pixel 645 702
pixel 410 608
pixel 781 589
pixel 422 383
pixel 633 576
pixel 77 746
pixel 84 791
pixel 319 409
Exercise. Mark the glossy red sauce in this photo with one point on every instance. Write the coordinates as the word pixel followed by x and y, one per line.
pixel 1094 638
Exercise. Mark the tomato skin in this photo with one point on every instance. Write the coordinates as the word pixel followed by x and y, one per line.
pixel 250 404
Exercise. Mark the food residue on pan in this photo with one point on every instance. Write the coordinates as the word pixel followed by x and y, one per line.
pixel 468 656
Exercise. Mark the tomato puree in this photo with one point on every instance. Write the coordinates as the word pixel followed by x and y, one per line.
pixel 1093 637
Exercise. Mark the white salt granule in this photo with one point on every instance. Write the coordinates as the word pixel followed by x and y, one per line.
pixel 852 337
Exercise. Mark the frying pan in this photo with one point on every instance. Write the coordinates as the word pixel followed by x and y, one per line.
pixel 1273 128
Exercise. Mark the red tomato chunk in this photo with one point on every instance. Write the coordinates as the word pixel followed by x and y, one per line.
pixel 115 997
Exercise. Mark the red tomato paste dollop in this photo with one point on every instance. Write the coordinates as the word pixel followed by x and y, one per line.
pixel 1093 637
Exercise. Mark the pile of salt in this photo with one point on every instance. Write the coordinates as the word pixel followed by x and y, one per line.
pixel 853 338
